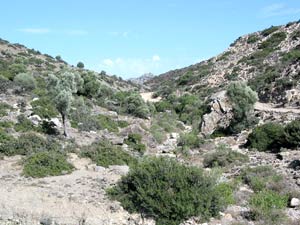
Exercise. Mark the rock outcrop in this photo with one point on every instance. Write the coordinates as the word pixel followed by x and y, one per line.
pixel 220 115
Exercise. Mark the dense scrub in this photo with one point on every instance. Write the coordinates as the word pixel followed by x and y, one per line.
pixel 169 192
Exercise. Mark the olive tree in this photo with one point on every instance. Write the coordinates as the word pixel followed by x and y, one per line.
pixel 62 88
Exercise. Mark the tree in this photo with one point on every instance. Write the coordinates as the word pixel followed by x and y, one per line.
pixel 80 65
pixel 61 89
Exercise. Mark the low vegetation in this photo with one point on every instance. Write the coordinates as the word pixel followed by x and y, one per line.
pixel 168 192
pixel 105 154
pixel 224 156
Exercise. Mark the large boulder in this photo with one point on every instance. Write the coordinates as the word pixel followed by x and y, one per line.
pixel 220 114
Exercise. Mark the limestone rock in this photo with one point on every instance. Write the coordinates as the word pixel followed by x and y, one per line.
pixel 295 202
pixel 220 115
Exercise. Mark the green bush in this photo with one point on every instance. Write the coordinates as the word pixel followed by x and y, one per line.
pixel 25 81
pixel 266 204
pixel 4 107
pixel 267 137
pixel 252 39
pixel 4 138
pixel 167 191
pixel 26 144
pixel 292 133
pixel 80 65
pixel 269 31
pixel 189 140
pixel 223 157
pixel 135 142
pixel 105 154
pixel 243 99
pixel 262 177
pixel 43 164
pixel 273 41
pixel 135 105
pixel 44 108
pixel 24 124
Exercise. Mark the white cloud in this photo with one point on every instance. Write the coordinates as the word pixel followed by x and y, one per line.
pixel 123 34
pixel 76 32
pixel 155 58
pixel 279 9
pixel 108 62
pixel 35 30
pixel 130 66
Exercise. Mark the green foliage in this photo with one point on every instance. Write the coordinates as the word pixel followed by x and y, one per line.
pixel 44 108
pixel 105 154
pixel 163 123
pixel 273 41
pixel 267 137
pixel 168 191
pixel 163 106
pixel 252 39
pixel 4 138
pixel 135 142
pixel 43 164
pixel 292 133
pixel 224 157
pixel 269 31
pixel 24 124
pixel 184 79
pixel 4 107
pixel 135 105
pixel 5 84
pixel 80 65
pixel 291 56
pixel 189 140
pixel 243 99
pixel 26 81
pixel 266 206
pixel 225 192
pixel 26 144
pixel 231 76
pixel 262 177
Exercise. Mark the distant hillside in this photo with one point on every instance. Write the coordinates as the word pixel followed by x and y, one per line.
pixel 16 58
pixel 142 79
pixel 268 60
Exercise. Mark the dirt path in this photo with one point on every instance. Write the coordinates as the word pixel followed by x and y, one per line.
pixel 269 108
pixel 76 198
pixel 147 96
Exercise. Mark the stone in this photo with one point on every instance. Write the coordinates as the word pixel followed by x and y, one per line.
pixel 56 122
pixel 220 115
pixel 120 170
pixel 35 119
pixel 295 202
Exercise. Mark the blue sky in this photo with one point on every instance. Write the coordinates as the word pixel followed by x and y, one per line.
pixel 131 37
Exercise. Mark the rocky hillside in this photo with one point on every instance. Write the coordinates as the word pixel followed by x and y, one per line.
pixel 16 58
pixel 202 148
pixel 142 79
pixel 268 60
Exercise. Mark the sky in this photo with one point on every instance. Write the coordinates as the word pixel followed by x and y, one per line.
pixel 131 37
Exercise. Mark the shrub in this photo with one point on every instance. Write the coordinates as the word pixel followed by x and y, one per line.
pixel 164 189
pixel 42 164
pixel 243 99
pixel 135 105
pixel 25 81
pixel 267 137
pixel 48 127
pixel 189 140
pixel 4 107
pixel 262 177
pixel 266 204
pixel 273 41
pixel 105 154
pixel 252 39
pixel 44 108
pixel 292 133
pixel 135 142
pixel 269 31
pixel 24 124
pixel 4 138
pixel 223 157
pixel 26 144
pixel 80 65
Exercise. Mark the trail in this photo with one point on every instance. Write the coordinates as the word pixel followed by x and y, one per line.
pixel 269 108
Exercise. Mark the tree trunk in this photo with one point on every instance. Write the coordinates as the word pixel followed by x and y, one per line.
pixel 64 124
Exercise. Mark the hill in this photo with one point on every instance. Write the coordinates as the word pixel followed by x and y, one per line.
pixel 267 60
